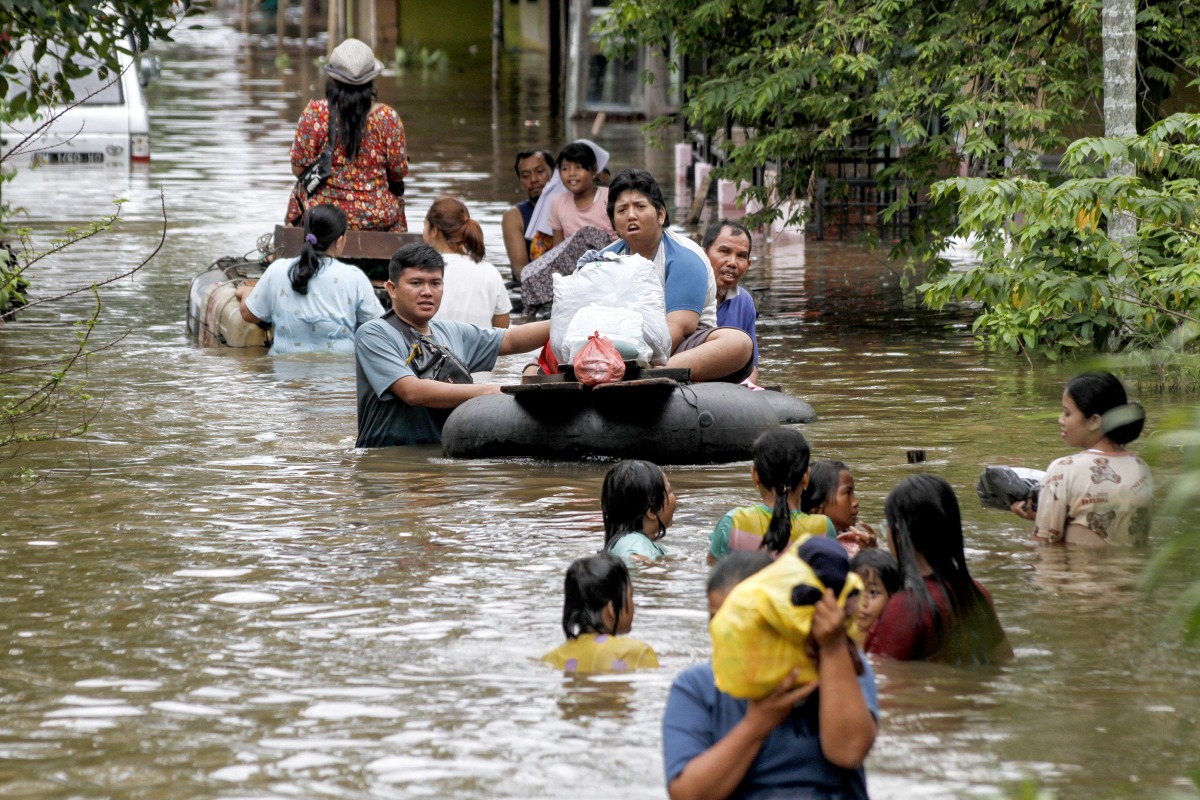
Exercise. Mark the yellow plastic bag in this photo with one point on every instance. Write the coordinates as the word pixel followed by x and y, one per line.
pixel 759 635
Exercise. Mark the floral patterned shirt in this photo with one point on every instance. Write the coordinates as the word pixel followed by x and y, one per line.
pixel 359 188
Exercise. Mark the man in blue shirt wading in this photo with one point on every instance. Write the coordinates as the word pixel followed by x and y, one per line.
pixel 639 216
pixel 395 405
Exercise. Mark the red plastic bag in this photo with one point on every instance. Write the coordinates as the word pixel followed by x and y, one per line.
pixel 598 362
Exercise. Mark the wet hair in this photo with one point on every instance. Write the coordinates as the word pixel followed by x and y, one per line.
pixel 734 567
pixel 327 223
pixel 449 217
pixel 417 255
pixel 348 109
pixel 780 459
pixel 577 153
pixel 822 485
pixel 591 584
pixel 524 154
pixel 1102 393
pixel 636 180
pixel 714 230
pixel 883 564
pixel 630 489
pixel 923 518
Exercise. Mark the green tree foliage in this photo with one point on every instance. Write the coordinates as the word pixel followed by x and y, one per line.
pixel 1052 282
pixel 83 33
pixel 955 87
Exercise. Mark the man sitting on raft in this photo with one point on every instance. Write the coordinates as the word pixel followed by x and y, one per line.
pixel 639 216
pixel 413 370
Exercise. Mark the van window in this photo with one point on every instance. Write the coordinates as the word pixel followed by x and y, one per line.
pixel 98 91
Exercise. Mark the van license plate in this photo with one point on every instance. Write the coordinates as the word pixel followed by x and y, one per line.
pixel 74 158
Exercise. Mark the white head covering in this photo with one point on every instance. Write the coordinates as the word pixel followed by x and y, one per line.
pixel 539 220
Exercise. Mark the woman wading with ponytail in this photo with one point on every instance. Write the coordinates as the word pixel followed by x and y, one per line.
pixel 315 302
pixel 780 472
pixel 1103 494
pixel 473 290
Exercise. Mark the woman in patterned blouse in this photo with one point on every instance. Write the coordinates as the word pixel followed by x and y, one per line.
pixel 369 155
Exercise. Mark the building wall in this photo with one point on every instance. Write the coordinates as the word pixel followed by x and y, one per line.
pixel 446 24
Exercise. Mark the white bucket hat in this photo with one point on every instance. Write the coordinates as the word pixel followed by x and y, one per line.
pixel 353 62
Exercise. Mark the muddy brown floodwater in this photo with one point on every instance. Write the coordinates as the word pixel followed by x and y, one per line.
pixel 213 594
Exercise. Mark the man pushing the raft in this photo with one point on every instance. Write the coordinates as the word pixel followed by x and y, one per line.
pixel 412 370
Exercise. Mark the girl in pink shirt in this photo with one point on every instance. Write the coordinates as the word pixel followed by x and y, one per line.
pixel 584 203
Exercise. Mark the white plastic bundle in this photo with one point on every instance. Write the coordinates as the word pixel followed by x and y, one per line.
pixel 606 293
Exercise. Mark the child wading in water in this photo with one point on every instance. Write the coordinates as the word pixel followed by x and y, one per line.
pixel 882 578
pixel 638 507
pixel 597 611
pixel 780 473
pixel 830 491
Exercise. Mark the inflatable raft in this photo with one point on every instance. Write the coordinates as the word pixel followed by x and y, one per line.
pixel 657 418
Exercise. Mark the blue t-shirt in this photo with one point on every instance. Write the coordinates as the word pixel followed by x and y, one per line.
pixel 339 300
pixel 379 355
pixel 790 763
pixel 738 311
pixel 688 281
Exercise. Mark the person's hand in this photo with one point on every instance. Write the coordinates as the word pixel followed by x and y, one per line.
pixel 1024 509
pixel 765 714
pixel 829 623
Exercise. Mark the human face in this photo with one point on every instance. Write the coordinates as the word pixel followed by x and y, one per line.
pixel 716 598
pixel 871 600
pixel 578 180
pixel 842 508
pixel 417 297
pixel 534 173
pixel 638 222
pixel 729 255
pixel 1078 430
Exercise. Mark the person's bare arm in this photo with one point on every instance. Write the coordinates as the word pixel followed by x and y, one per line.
pixel 556 237
pixel 241 293
pixel 523 338
pixel 717 771
pixel 297 170
pixel 513 228
pixel 429 393
pixel 500 320
pixel 682 324
pixel 847 726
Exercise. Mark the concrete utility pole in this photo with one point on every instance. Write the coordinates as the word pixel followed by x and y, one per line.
pixel 1120 99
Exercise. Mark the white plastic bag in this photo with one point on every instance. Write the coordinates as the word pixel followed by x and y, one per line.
pixel 621 326
pixel 612 282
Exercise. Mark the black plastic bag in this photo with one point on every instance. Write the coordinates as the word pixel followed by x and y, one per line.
pixel 1000 487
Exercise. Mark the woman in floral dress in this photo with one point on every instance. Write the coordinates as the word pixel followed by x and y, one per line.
pixel 369 155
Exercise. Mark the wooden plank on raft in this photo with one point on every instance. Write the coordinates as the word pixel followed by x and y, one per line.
pixel 375 245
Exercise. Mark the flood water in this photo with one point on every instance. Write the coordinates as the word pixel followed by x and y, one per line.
pixel 213 594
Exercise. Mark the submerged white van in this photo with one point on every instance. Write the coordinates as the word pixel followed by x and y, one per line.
pixel 110 124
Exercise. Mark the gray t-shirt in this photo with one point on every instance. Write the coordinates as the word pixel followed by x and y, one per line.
pixel 379 355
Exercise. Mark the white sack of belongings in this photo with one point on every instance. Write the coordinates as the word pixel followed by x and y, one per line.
pixel 607 289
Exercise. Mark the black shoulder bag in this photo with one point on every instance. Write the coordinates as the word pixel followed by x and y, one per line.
pixel 427 358
pixel 316 173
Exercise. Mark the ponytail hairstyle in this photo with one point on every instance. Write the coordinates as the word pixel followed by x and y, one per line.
pixel 591 584
pixel 923 518
pixel 323 226
pixel 349 106
pixel 448 216
pixel 1102 393
pixel 822 485
pixel 781 461
pixel 630 489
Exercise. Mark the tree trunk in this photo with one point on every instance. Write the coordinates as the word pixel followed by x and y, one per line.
pixel 1120 102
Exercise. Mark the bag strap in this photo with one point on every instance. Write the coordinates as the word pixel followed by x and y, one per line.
pixel 300 196
pixel 416 341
